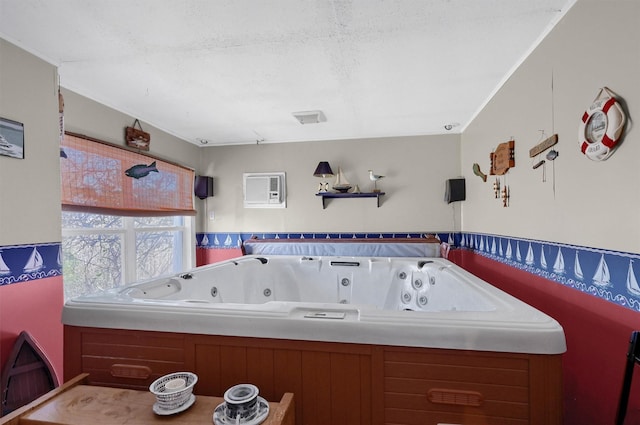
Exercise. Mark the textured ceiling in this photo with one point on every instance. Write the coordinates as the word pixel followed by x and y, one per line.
pixel 234 71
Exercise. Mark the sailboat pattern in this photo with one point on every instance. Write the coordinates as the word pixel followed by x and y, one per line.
pixel 610 275
pixel 22 263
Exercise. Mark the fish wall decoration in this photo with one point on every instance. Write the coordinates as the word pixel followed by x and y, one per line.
pixel 141 170
pixel 478 172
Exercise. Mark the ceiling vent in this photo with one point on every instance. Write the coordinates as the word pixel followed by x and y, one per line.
pixel 310 117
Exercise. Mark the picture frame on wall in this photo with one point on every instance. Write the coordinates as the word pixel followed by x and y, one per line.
pixel 11 138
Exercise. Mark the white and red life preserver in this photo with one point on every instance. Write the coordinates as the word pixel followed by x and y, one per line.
pixel 601 126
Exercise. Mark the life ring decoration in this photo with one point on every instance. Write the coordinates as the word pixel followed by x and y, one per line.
pixel 601 126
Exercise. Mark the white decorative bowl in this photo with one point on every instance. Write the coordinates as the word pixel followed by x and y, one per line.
pixel 171 392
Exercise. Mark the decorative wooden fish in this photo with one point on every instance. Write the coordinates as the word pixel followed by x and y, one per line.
pixel 477 172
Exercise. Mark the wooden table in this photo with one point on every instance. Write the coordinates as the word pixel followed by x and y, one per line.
pixel 77 404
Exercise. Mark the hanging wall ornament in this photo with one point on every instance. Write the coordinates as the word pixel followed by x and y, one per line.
pixel 503 158
pixel 504 194
pixel 136 137
pixel 541 147
pixel 601 126
pixel 478 172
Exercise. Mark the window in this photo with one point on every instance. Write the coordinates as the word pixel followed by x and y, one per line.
pixel 126 216
pixel 103 251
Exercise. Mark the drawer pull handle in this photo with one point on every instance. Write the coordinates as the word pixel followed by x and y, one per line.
pixel 130 371
pixel 455 397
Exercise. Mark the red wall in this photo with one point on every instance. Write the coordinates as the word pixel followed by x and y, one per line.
pixel 212 255
pixel 34 306
pixel 597 334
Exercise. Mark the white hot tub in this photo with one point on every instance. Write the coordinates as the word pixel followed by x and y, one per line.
pixel 413 302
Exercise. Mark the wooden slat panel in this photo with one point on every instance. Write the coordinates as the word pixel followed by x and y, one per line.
pixel 316 388
pixel 147 338
pixel 105 363
pixel 233 366
pixel 260 371
pixel 508 393
pixel 411 417
pixel 377 386
pixel 546 389
pixel 365 389
pixel 283 344
pixel 72 352
pixel 346 405
pixel 167 353
pixel 207 367
pixel 455 357
pixel 288 376
pixel 488 408
pixel 457 373
pixel 333 381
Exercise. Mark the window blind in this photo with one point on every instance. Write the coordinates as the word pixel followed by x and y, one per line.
pixel 102 178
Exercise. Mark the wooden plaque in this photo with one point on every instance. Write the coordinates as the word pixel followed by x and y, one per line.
pixel 503 158
pixel 543 146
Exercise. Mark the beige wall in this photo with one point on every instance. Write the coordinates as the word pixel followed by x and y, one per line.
pixel 30 191
pixel 90 118
pixel 415 168
pixel 594 204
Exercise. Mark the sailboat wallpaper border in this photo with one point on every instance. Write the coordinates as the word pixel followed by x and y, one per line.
pixel 235 240
pixel 22 263
pixel 606 274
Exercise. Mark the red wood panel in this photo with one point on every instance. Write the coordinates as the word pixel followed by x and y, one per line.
pixel 347 389
pixel 316 388
pixel 72 352
pixel 332 382
pixel 546 389
pixel 233 366
pixel 465 384
pixel 330 387
pixel 287 366
pixel 412 417
pixel 261 371
pixel 207 367
pixel 496 392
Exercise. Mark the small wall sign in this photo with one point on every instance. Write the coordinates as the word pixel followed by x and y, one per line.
pixel 503 158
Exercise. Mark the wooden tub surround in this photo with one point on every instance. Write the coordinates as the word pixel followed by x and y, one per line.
pixel 78 403
pixel 333 383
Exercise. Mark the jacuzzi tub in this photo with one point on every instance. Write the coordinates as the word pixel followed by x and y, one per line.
pixel 410 302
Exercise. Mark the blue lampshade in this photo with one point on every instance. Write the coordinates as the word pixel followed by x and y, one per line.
pixel 323 170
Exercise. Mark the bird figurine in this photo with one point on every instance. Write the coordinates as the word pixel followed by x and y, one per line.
pixel 374 178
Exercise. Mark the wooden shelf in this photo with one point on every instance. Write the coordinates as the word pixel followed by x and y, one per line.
pixel 331 195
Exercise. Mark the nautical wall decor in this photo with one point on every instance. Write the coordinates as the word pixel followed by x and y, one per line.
pixel 22 263
pixel 601 126
pixel 478 172
pixel 502 159
pixel 541 147
pixel 609 275
pixel 136 137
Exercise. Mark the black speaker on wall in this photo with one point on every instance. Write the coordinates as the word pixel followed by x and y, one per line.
pixel 203 187
pixel 455 190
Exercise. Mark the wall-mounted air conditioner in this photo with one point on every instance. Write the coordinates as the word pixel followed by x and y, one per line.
pixel 264 190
